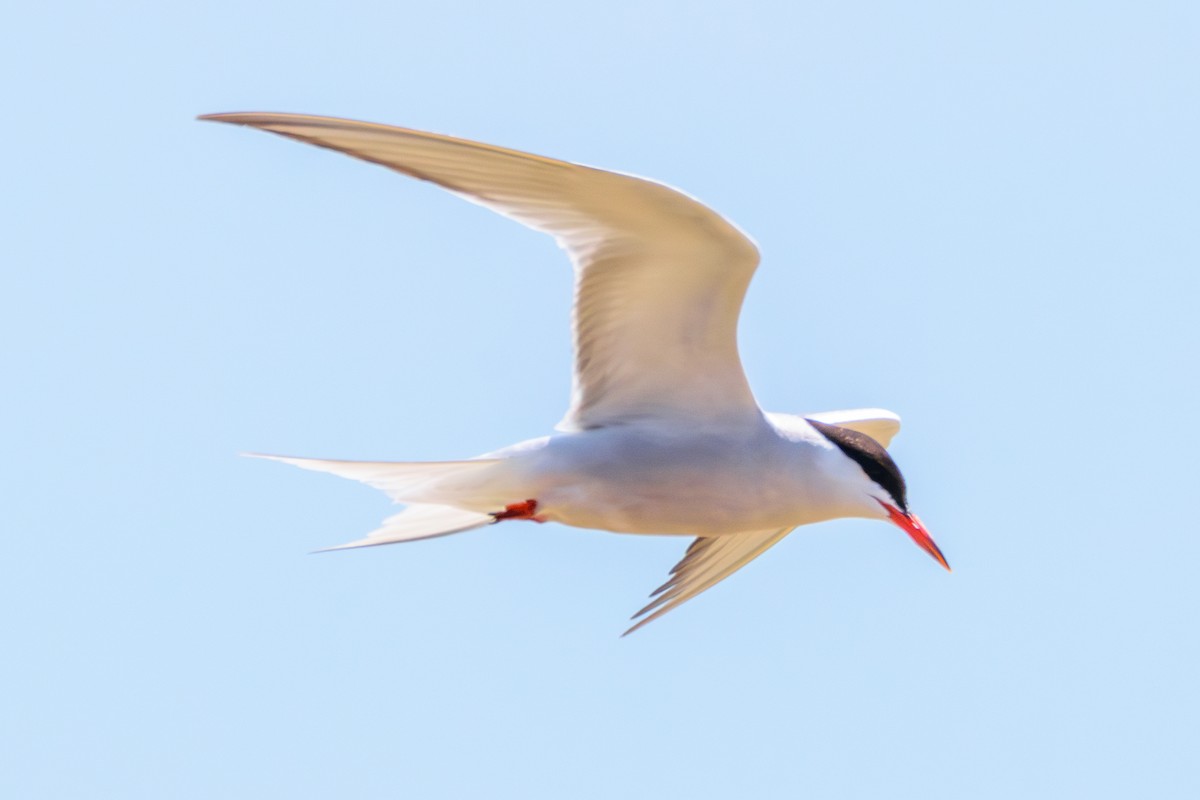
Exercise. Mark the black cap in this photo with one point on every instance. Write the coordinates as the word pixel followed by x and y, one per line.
pixel 868 454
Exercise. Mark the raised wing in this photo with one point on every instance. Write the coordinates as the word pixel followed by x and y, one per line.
pixel 707 562
pixel 659 276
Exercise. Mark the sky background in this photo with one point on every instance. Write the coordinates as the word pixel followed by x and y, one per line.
pixel 981 215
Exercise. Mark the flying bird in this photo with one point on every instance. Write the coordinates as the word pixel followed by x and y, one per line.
pixel 663 435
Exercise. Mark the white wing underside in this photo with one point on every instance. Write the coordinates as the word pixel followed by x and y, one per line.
pixel 707 562
pixel 659 277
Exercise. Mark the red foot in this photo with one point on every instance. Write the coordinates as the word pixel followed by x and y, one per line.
pixel 523 510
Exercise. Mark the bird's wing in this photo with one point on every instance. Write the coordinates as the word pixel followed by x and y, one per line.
pixel 707 562
pixel 880 424
pixel 659 276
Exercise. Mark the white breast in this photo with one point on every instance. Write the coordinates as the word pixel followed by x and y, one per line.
pixel 633 479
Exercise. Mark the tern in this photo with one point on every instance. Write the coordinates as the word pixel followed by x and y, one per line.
pixel 663 435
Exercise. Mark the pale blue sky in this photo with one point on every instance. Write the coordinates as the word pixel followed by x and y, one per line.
pixel 981 215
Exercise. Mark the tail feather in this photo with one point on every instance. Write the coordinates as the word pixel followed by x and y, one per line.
pixel 435 492
pixel 403 481
pixel 419 521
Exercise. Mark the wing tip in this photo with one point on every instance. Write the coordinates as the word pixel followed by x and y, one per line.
pixel 355 545
pixel 296 461
pixel 259 118
pixel 225 116
pixel 640 623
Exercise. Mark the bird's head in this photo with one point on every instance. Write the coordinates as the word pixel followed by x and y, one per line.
pixel 884 485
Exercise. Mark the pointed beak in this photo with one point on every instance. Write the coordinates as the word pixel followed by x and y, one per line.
pixel 913 527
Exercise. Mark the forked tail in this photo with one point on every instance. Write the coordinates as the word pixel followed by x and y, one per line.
pixel 432 489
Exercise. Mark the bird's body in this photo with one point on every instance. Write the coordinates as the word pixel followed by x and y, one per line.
pixel 650 480
pixel 663 435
